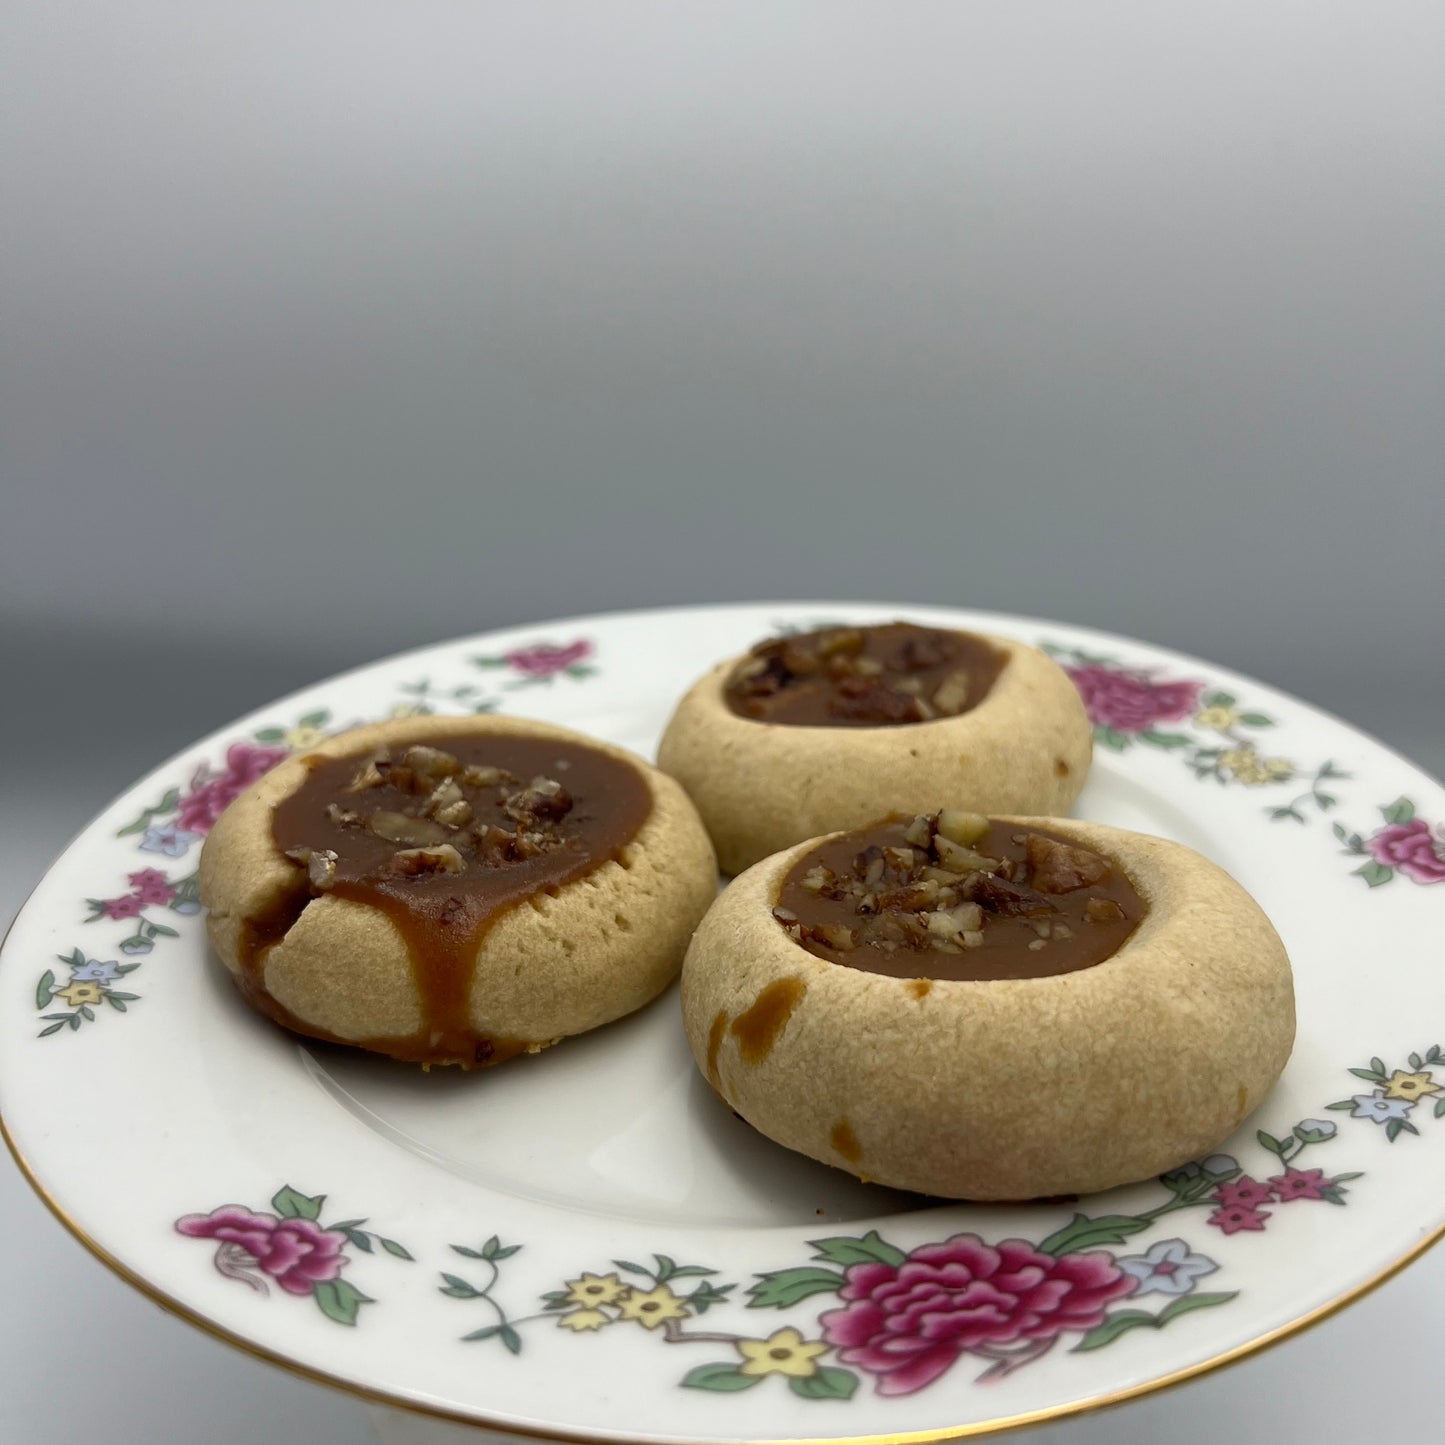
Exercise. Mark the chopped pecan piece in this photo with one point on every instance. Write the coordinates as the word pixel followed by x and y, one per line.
pixel 424 862
pixel 403 828
pixel 998 895
pixel 1062 867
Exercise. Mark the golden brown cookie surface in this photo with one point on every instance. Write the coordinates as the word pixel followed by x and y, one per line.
pixel 456 889
pixel 999 1088
pixel 1002 730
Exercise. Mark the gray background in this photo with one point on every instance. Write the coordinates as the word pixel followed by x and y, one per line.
pixel 332 328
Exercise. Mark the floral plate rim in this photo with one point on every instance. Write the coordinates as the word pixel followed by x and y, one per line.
pixel 546 663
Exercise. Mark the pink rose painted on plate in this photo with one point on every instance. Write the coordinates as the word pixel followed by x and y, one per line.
pixel 907 1324
pixel 212 792
pixel 297 1253
pixel 1128 701
pixel 544 662
pixel 1412 848
pixel 1406 844
pixel 292 1248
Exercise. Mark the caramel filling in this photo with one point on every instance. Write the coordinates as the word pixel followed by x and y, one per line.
pixel 882 676
pixel 952 895
pixel 444 837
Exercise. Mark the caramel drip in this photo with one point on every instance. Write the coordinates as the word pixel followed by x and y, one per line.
pixel 757 1029
pixel 443 917
pixel 845 1141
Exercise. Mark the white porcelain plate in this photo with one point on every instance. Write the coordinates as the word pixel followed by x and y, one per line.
pixel 587 1243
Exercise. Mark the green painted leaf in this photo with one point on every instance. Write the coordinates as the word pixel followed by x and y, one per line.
pixel 1353 1174
pixel 345 1224
pixel 1188 1303
pixel 74 1022
pixel 161 929
pixel 784 1288
pixel 1112 739
pixel 485 1333
pixel 1416 1062
pixel 269 735
pixel 490 1248
pixel 360 1240
pixel 49 1029
pixel 397 1251
pixel 116 1002
pixel 87 1014
pixel 506 1252
pixel 1268 1141
pixel 666 1267
pixel 1370 1074
pixel 45 989
pixel 458 1288
pixel 1341 1104
pixel 1277 814
pixel 684 1271
pixel 848 1249
pixel 340 1301
pixel 1256 720
pixel 631 1268
pixel 718 1377
pixel 1378 1065
pixel 489 661
pixel 1081 1232
pixel 1440 1107
pixel 830 1383
pixel 466 1253
pixel 167 804
pixel 316 719
pixel 1126 1320
pixel 1375 873
pixel 290 1204
pixel 1219 699
pixel 125 968
pixel 1325 801
pixel 1392 1129
pixel 1165 740
pixel 123 997
pixel 1340 831
pixel 706 1295
pixel 511 1339
pixel 1112 1328
pixel 1402 810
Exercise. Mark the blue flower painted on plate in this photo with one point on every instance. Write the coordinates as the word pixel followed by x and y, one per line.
pixel 171 841
pixel 1379 1108
pixel 96 972
pixel 1169 1267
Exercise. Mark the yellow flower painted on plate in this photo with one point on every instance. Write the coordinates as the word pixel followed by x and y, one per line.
pixel 1220 719
pixel 302 738
pixel 596 1289
pixel 1252 770
pixel 76 994
pixel 785 1352
pixel 1411 1086
pixel 652 1307
pixel 584 1320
